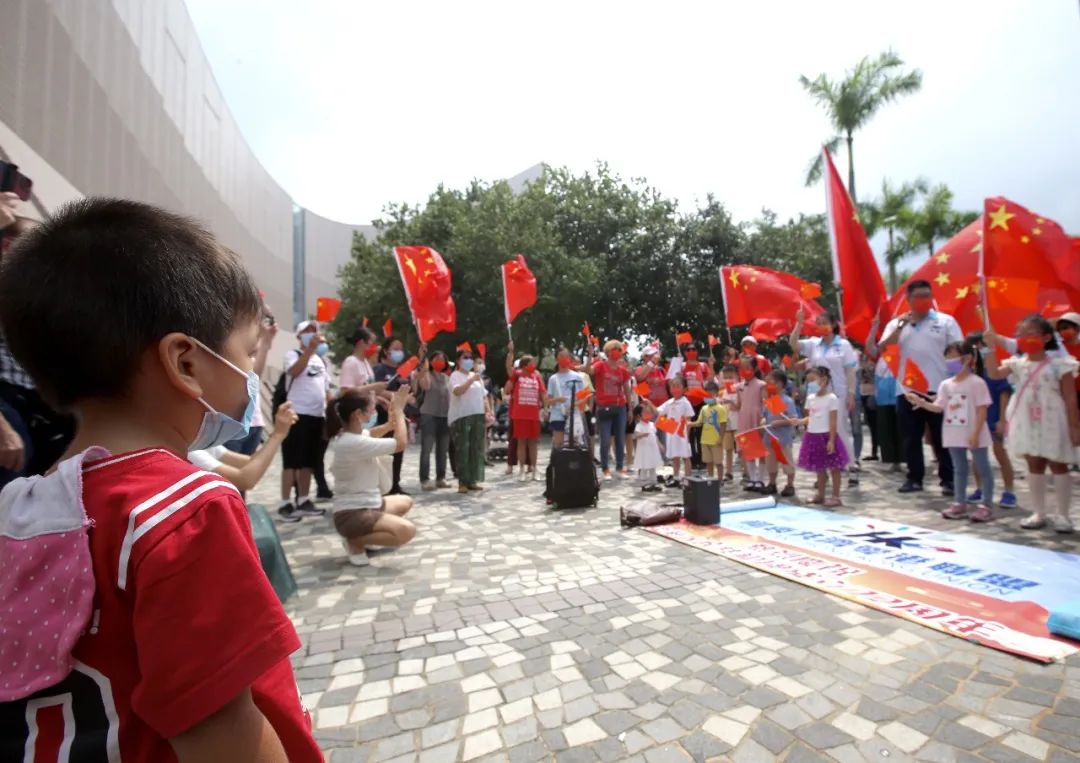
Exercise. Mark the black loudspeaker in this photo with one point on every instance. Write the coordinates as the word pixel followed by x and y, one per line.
pixel 701 501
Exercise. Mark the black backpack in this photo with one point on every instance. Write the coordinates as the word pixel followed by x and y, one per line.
pixel 281 394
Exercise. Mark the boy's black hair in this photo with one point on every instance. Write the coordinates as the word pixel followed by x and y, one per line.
pixel 957 347
pixel 711 386
pixel 729 369
pixel 780 377
pixel 919 284
pixel 84 294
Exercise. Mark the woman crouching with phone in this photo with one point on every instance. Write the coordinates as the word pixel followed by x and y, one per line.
pixel 363 516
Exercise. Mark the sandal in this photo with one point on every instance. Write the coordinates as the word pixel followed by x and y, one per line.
pixel 831 503
pixel 816 500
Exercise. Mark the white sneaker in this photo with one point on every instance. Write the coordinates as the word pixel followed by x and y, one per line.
pixel 357 560
pixel 1034 522
pixel 1061 524
pixel 523 476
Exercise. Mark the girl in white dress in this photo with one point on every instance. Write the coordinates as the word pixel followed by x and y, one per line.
pixel 679 410
pixel 1042 423
pixel 648 456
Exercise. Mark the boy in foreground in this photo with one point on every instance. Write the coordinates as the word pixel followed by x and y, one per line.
pixel 168 643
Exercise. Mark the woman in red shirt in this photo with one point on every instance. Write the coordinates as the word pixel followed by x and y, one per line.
pixel 611 380
pixel 527 394
pixel 651 372
pixel 694 374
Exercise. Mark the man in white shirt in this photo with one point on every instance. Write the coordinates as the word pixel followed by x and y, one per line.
pixel 922 334
pixel 306 387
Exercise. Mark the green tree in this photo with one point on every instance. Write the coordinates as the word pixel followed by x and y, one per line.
pixel 890 213
pixel 934 221
pixel 853 100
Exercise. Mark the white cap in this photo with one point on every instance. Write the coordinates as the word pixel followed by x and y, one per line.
pixel 749 339
pixel 1073 318
pixel 303 326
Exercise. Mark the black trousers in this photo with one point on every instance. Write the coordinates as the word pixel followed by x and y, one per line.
pixel 869 407
pixel 913 423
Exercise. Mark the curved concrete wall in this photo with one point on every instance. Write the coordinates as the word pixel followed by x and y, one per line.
pixel 116 97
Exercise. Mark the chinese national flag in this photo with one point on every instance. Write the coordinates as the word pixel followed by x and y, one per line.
pixel 481 350
pixel 713 341
pixel 643 389
pixel 1030 259
pixel 953 275
pixel 891 356
pixel 585 331
pixel 751 446
pixel 771 329
pixel 778 450
pixel 753 294
pixel 664 424
pixel 914 378
pixel 775 404
pixel 684 337
pixel 854 266
pixel 786 361
pixel 365 322
pixel 427 283
pixel 326 309
pixel 388 328
pixel 464 346
pixel 406 368
pixel 696 395
pixel 519 287
pixel 583 394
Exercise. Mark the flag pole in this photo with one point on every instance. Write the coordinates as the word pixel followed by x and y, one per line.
pixel 833 244
pixel 984 298
pixel 506 304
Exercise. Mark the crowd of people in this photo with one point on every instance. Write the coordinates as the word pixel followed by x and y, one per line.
pixel 146 492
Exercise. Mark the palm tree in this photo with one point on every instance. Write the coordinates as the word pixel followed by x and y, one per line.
pixel 934 221
pixel 890 212
pixel 852 101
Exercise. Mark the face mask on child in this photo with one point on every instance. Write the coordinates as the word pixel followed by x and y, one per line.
pixel 772 389
pixel 615 355
pixel 438 365
pixel 691 355
pixel 1068 333
pixel 218 428
pixel 467 364
pixel 746 373
pixel 954 365
pixel 710 401
pixel 397 356
pixel 373 421
pixel 646 416
pixel 1030 344
pixel 564 363
pixel 812 388
pixel 677 392
pixel 530 368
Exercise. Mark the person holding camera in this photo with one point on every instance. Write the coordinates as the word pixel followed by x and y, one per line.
pixel 306 387
pixel 246 446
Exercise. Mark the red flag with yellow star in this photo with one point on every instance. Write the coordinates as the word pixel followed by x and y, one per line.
pixel 854 266
pixel 326 309
pixel 914 378
pixel 519 287
pixel 771 329
pixel 1029 258
pixel 752 293
pixel 751 446
pixel 427 283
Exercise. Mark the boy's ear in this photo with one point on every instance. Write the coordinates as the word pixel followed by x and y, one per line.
pixel 179 358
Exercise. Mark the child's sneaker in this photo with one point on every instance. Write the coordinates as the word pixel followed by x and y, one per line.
pixel 1061 524
pixel 1008 500
pixel 1034 522
pixel 729 477
pixel 356 560
pixel 607 474
pixel 975 497
pixel 956 511
pixel 981 513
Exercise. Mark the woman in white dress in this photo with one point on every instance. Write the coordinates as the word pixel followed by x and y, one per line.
pixel 647 453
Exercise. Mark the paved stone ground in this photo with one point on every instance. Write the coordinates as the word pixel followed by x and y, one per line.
pixel 509 632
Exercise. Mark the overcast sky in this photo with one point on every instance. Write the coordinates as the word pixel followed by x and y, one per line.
pixel 351 105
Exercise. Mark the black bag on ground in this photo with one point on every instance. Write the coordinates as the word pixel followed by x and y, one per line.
pixel 571 477
pixel 649 513
pixel 701 501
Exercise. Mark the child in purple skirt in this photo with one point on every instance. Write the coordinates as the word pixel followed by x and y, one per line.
pixel 822 452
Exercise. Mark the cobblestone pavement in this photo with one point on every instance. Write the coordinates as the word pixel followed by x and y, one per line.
pixel 507 631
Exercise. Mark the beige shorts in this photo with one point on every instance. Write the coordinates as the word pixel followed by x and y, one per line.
pixel 728 442
pixel 712 454
pixel 356 523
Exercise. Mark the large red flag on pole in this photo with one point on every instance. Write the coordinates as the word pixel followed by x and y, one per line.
pixel 519 287
pixel 427 283
pixel 855 270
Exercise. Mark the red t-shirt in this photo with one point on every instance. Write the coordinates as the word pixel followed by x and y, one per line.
pixel 610 383
pixel 528 390
pixel 694 374
pixel 658 389
pixel 184 620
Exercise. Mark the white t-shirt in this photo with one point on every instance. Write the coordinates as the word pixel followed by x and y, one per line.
pixel 469 404
pixel 208 460
pixel 357 471
pixel 307 392
pixel 818 408
pixel 355 373
pixel 925 343
pixel 838 356
pixel 960 399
